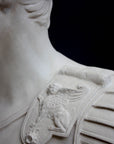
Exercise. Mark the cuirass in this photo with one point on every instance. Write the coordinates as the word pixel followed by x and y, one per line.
pixel 75 107
pixel 75 100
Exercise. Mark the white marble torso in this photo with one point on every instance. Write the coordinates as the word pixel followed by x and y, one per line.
pixel 46 98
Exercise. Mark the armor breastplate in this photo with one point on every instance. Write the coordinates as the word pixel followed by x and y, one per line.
pixel 96 124
pixel 84 97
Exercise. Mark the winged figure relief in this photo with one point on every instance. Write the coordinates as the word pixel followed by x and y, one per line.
pixel 55 116
pixel 55 105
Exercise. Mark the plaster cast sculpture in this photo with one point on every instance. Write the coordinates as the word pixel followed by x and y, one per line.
pixel 46 98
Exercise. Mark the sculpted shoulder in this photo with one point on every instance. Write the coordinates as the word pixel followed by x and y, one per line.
pixel 95 123
pixel 66 99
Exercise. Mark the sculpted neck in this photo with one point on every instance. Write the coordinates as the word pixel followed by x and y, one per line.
pixel 27 61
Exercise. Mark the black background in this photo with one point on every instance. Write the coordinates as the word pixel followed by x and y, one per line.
pixel 83 31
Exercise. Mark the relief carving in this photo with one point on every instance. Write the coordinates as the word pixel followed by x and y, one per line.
pixel 54 110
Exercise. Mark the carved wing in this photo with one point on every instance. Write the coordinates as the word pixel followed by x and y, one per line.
pixel 66 93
